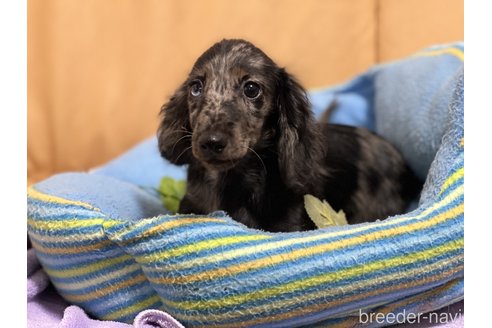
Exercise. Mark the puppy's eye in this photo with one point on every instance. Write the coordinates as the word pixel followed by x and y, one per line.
pixel 196 88
pixel 252 90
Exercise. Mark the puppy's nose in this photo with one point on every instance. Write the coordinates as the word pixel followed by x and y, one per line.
pixel 213 145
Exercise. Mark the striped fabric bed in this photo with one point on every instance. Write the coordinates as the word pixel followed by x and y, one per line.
pixel 210 271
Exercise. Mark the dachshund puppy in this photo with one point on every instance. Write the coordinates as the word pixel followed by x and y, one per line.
pixel 245 128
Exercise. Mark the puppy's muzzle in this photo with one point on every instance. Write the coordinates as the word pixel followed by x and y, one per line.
pixel 212 145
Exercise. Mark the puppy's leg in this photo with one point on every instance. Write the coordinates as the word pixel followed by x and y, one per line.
pixel 295 218
pixel 244 216
pixel 186 206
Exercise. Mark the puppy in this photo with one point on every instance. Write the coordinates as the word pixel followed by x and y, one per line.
pixel 245 128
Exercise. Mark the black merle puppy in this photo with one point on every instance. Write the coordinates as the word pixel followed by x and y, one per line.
pixel 245 128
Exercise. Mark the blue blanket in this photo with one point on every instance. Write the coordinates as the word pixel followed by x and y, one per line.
pixel 107 246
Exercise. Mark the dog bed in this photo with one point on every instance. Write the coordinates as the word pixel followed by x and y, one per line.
pixel 110 246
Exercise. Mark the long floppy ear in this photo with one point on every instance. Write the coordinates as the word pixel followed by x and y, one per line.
pixel 174 134
pixel 300 150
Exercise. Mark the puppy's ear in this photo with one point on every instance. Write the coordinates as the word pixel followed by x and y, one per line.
pixel 299 147
pixel 174 134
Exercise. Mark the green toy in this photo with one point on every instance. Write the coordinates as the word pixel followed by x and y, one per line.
pixel 172 191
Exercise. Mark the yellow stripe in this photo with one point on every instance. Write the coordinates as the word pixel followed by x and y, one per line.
pixel 329 292
pixel 33 193
pixel 300 253
pixel 301 311
pixel 196 262
pixel 65 224
pixel 84 283
pixel 109 223
pixel 199 246
pixel 235 253
pixel 165 226
pixel 446 51
pixel 104 291
pixel 318 280
pixel 452 179
pixel 127 225
pixel 86 269
pixel 71 250
pixel 137 307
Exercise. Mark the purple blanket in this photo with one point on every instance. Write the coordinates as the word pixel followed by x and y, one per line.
pixel 46 309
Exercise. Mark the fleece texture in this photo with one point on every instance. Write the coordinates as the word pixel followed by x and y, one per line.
pixel 109 246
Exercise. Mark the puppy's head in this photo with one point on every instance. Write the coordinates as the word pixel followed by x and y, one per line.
pixel 234 98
